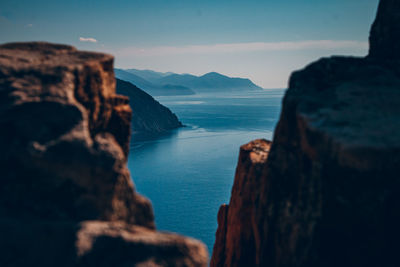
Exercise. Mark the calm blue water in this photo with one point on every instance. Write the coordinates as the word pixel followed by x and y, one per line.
pixel 188 173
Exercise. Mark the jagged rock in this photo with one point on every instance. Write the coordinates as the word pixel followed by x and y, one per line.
pixel 237 239
pixel 61 156
pixel 64 141
pixel 328 193
pixel 218 257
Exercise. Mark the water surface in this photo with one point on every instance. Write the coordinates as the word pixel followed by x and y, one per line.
pixel 188 173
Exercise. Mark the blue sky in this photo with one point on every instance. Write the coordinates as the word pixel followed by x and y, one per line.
pixel 263 40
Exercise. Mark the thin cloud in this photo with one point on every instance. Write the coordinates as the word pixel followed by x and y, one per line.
pixel 242 47
pixel 87 39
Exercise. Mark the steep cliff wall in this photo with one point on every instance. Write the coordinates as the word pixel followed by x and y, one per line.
pixel 66 196
pixel 327 192
pixel 148 114
pixel 385 32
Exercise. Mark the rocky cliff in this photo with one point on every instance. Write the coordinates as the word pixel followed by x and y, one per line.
pixel 326 191
pixel 385 31
pixel 66 195
pixel 148 115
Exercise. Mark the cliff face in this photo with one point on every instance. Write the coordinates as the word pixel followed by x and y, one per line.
pixel 236 235
pixel 385 32
pixel 66 196
pixel 327 192
pixel 148 114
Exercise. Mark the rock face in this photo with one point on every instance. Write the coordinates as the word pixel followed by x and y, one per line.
pixel 148 114
pixel 66 196
pixel 327 193
pixel 237 229
pixel 94 243
pixel 385 32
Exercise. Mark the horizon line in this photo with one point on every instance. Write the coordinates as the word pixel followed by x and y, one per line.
pixel 240 47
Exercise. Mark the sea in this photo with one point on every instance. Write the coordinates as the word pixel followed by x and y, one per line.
pixel 188 173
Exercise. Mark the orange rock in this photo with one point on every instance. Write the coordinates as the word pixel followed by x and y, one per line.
pixel 64 143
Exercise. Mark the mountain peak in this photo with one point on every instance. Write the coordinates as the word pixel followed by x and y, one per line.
pixel 213 73
pixel 209 82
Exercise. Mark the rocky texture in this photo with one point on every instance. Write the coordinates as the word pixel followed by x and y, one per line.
pixel 328 193
pixel 148 114
pixel 65 137
pixel 64 140
pixel 237 231
pixel 94 243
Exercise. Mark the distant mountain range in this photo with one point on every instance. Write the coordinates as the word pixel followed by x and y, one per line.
pixel 168 83
pixel 150 75
pixel 148 115
pixel 151 88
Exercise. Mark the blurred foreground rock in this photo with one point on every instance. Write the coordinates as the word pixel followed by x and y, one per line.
pixel 327 191
pixel 66 195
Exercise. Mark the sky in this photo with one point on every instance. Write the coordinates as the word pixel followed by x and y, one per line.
pixel 264 40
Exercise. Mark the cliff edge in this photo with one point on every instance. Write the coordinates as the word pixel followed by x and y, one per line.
pixel 66 195
pixel 148 115
pixel 326 192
